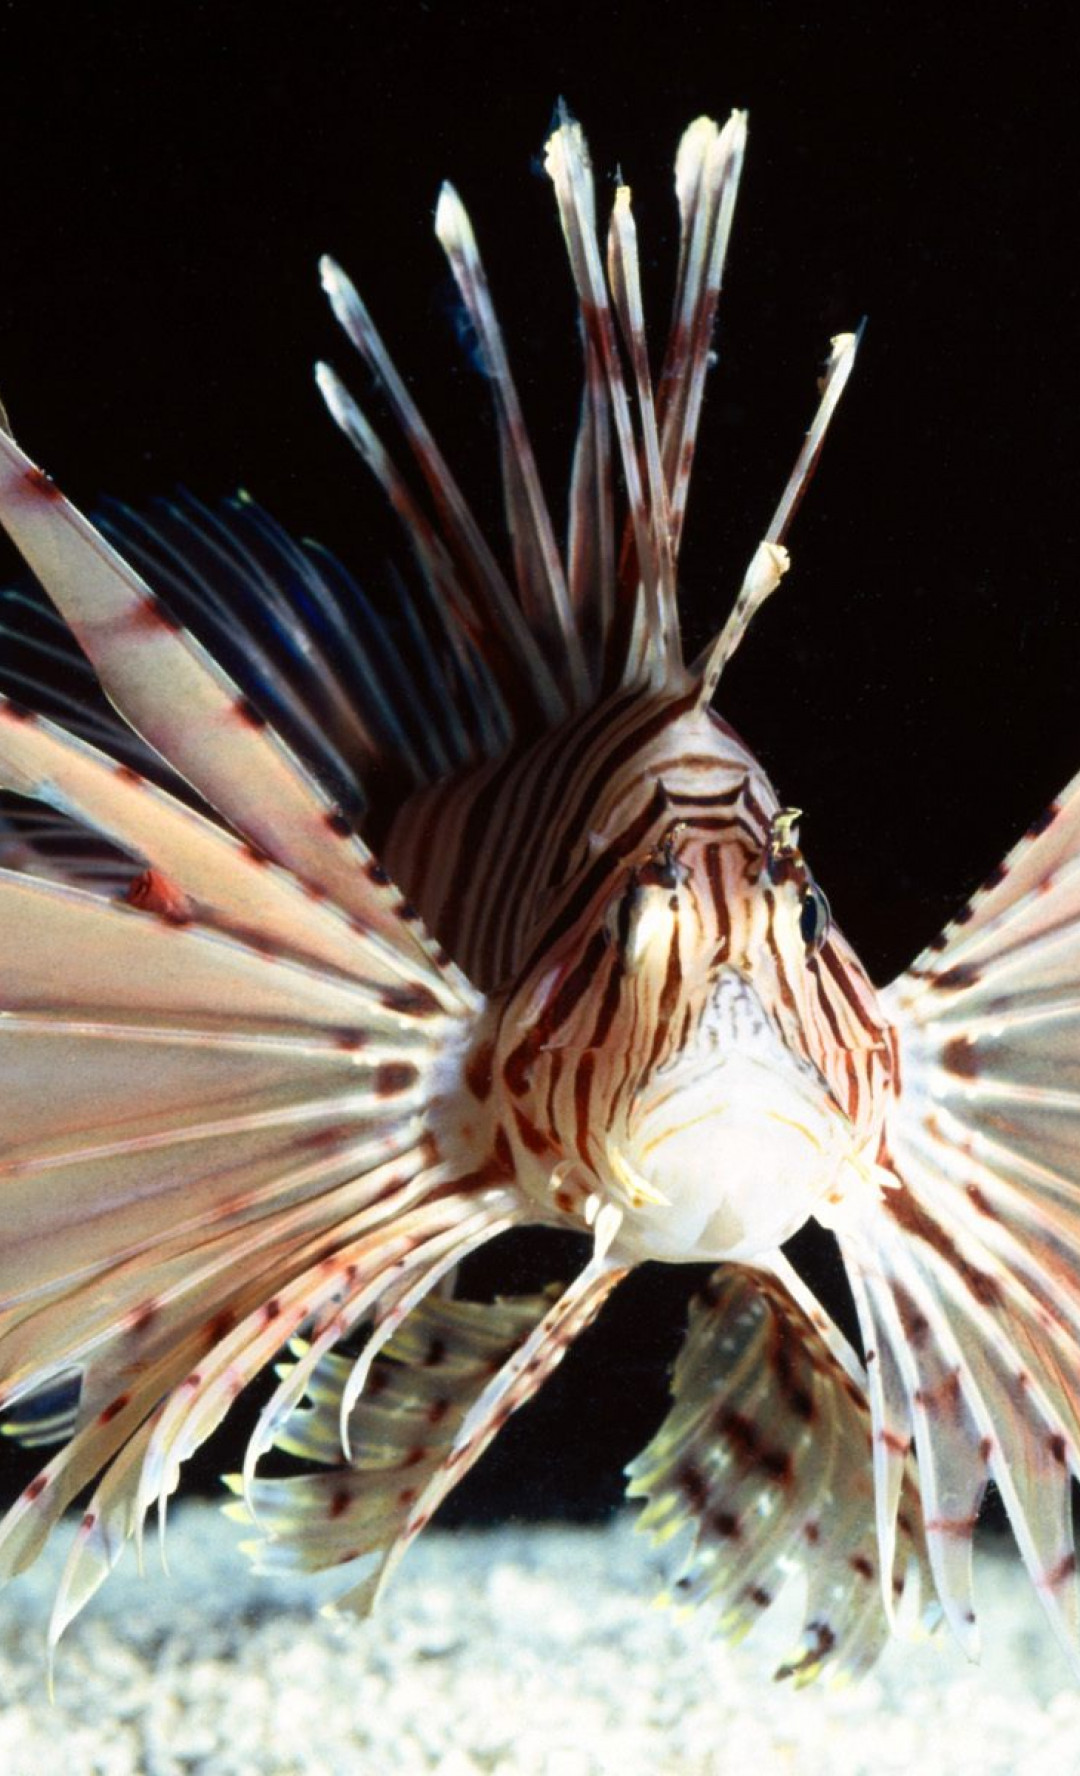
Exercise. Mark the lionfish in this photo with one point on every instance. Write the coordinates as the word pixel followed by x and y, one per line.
pixel 266 1086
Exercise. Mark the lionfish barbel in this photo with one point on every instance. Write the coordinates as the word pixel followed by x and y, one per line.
pixel 264 1089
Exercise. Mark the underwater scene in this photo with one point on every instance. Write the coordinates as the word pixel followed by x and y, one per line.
pixel 539 899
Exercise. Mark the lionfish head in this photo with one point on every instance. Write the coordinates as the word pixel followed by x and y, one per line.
pixel 673 1043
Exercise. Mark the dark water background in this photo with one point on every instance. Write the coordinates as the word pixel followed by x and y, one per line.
pixel 171 175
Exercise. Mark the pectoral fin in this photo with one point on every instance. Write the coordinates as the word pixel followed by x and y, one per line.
pixel 967 1276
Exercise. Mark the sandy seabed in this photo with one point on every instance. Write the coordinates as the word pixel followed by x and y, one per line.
pixel 524 1651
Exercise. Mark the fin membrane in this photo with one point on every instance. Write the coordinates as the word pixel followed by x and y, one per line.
pixel 967 1273
pixel 399 1432
pixel 765 1459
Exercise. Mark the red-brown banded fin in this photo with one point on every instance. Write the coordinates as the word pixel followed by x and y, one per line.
pixel 149 614
pixel 765 1461
pixel 238 1147
pixel 452 554
pixel 417 1394
pixel 40 484
pixel 541 579
pixel 649 539
pixel 981 1237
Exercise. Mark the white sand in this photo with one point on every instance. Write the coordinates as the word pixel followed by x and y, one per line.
pixel 532 1652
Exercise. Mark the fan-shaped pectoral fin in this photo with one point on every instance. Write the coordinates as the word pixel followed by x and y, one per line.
pixel 966 1274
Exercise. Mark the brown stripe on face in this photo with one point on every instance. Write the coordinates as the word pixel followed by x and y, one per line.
pixel 629 841
pixel 727 823
pixel 576 820
pixel 544 790
pixel 536 784
pixel 786 995
pixel 844 981
pixel 755 810
pixel 462 884
pixel 531 1136
pixel 478 1074
pixel 609 1004
pixel 576 985
pixel 555 1072
pixel 583 1083
pixel 824 1004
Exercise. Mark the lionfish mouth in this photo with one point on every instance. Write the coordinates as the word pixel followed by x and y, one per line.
pixel 724 1151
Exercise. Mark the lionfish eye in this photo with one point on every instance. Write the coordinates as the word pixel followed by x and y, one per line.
pixel 642 913
pixel 814 918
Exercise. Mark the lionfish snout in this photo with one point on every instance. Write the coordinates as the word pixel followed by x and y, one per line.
pixel 723 1149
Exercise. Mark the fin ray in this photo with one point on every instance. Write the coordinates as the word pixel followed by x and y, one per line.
pixel 759 1457
pixel 967 1270
pixel 419 1390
